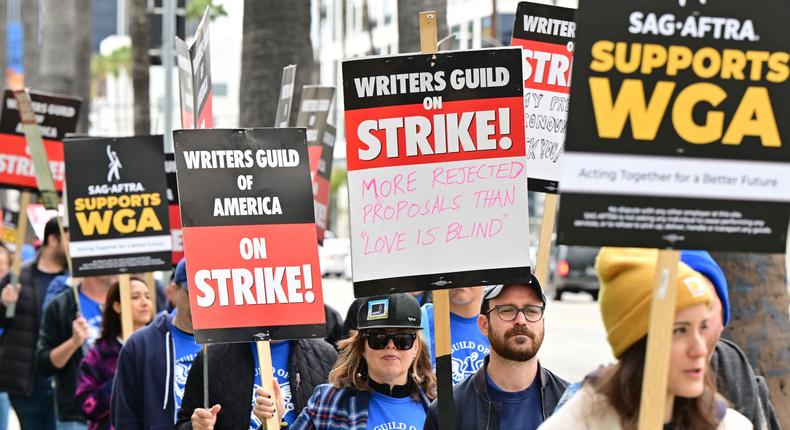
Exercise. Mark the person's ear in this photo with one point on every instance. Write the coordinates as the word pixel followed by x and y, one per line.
pixel 482 324
pixel 116 307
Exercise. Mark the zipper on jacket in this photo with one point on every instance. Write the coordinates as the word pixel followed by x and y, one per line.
pixel 488 418
pixel 298 379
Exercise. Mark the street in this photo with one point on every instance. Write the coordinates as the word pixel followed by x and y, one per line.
pixel 575 339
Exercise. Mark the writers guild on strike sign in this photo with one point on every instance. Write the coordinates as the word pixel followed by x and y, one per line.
pixel 437 167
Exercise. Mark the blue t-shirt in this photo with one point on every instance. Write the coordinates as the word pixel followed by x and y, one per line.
pixel 91 311
pixel 280 353
pixel 185 350
pixel 519 410
pixel 468 348
pixel 388 413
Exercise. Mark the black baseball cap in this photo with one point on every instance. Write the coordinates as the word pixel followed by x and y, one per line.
pixel 493 291
pixel 390 311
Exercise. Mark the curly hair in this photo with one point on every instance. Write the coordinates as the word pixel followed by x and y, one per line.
pixel 351 369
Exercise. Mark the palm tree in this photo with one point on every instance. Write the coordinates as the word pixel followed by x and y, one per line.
pixel 140 34
pixel 276 34
pixel 409 22
pixel 760 323
pixel 65 50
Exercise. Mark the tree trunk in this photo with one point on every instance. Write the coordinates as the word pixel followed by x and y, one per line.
pixel 57 68
pixel 760 323
pixel 30 26
pixel 276 34
pixel 139 33
pixel 3 39
pixel 82 43
pixel 409 22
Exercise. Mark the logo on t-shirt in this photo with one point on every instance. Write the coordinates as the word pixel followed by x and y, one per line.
pixel 180 373
pixel 394 425
pixel 468 357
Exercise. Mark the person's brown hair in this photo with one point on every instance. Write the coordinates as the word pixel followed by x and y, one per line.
pixel 351 369
pixel 111 320
pixel 622 386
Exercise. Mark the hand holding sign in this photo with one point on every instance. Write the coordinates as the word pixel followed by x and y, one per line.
pixel 264 405
pixel 204 419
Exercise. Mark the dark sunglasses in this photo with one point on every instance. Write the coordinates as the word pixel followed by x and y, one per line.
pixel 379 340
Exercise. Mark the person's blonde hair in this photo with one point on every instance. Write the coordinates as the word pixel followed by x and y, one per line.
pixel 351 369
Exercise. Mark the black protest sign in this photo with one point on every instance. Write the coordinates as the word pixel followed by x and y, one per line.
pixel 283 114
pixel 675 135
pixel 173 209
pixel 314 111
pixel 249 234
pixel 117 205
pixel 56 114
pixel 186 94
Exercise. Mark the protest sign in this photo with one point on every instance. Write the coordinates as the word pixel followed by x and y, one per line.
pixel 322 182
pixel 674 136
pixel 249 234
pixel 436 170
pixel 546 33
pixel 313 115
pixel 283 114
pixel 200 55
pixel 174 213
pixel 56 115
pixel 117 214
pixel 186 93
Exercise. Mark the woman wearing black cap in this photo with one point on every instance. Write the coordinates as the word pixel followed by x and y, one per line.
pixel 382 379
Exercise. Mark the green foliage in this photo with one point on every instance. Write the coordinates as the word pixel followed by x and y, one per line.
pixel 103 66
pixel 195 9
pixel 339 177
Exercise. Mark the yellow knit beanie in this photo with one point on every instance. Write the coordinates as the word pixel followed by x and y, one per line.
pixel 627 276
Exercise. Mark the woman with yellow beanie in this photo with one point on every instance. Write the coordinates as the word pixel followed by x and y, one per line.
pixel 609 398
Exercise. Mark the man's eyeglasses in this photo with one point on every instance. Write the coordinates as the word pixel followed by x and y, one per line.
pixel 509 312
pixel 380 340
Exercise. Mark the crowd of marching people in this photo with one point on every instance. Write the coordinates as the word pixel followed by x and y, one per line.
pixel 64 363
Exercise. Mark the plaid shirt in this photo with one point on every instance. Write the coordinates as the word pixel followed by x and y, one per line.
pixel 331 408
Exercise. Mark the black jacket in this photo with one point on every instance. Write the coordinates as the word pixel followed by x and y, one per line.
pixel 56 329
pixel 475 410
pixel 231 369
pixel 18 342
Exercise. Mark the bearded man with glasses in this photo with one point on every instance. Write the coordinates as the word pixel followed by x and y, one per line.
pixel 512 390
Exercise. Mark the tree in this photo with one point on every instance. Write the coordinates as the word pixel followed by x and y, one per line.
pixel 760 323
pixel 140 35
pixel 65 51
pixel 276 34
pixel 409 22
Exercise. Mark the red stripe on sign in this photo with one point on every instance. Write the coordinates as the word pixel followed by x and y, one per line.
pixel 16 166
pixel 547 66
pixel 457 131
pixel 253 275
pixel 175 232
pixel 206 115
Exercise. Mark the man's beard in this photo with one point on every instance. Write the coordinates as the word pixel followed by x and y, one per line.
pixel 505 350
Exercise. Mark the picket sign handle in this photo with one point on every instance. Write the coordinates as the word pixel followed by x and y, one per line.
pixel 441 298
pixel 659 340
pixel 267 379
pixel 544 245
pixel 126 305
pixel 206 403
pixel 16 262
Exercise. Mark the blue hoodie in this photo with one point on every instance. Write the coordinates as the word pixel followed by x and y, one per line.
pixel 142 394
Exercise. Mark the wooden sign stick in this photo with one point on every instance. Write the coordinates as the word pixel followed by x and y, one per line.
pixel 267 378
pixel 126 306
pixel 544 245
pixel 441 298
pixel 659 338
pixel 16 262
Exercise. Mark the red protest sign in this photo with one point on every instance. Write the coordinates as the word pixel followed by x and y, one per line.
pixel 249 234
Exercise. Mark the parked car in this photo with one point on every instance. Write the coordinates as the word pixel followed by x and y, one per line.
pixel 574 271
pixel 333 255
